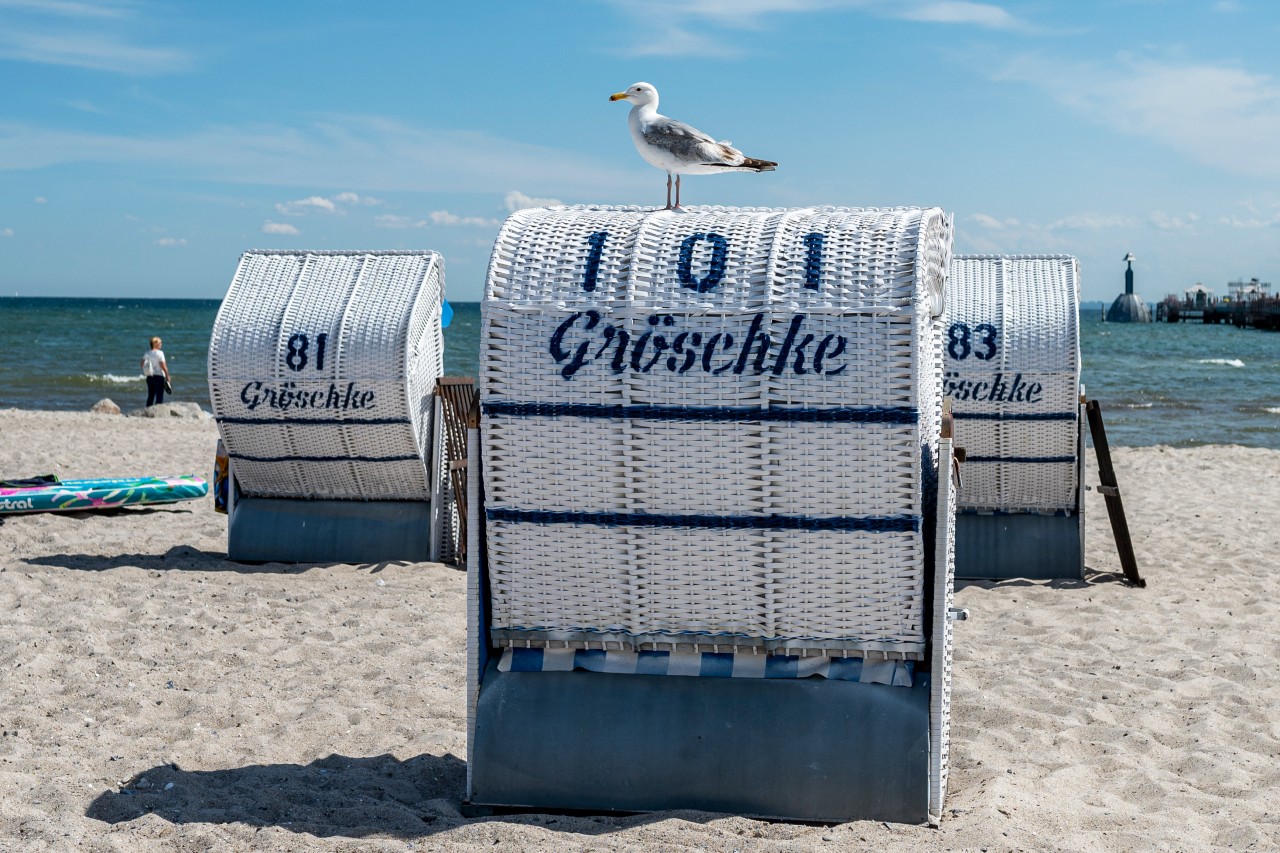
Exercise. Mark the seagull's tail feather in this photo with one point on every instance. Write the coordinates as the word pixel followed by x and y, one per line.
pixel 748 164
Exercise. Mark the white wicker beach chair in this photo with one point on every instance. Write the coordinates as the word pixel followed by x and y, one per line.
pixel 322 371
pixel 710 446
pixel 1012 350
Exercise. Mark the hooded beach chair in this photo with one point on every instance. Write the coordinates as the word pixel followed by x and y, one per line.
pixel 1012 346
pixel 710 544
pixel 322 372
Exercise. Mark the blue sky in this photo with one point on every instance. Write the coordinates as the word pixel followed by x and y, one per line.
pixel 144 145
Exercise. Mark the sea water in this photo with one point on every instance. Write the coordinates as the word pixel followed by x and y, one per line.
pixel 1178 384
pixel 1183 384
pixel 67 354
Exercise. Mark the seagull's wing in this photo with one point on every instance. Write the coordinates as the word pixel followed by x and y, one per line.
pixel 688 143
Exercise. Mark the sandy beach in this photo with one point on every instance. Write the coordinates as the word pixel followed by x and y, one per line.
pixel 156 696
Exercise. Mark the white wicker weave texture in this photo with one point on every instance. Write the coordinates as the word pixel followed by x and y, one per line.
pixel 713 429
pixel 943 648
pixel 1013 371
pixel 322 367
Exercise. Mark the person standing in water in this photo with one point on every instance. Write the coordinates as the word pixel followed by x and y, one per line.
pixel 156 371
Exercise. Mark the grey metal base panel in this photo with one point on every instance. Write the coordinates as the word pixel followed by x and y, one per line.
pixel 1018 545
pixel 281 530
pixel 794 749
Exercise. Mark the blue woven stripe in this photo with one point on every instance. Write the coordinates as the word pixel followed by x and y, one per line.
pixel 1015 416
pixel 873 523
pixel 1031 459
pixel 316 421
pixel 325 458
pixel 867 414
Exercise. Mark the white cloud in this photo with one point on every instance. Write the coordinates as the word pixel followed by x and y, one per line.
pixel 748 13
pixel 674 40
pixel 1214 114
pixel 982 233
pixel 65 8
pixel 983 15
pixel 991 222
pixel 102 35
pixel 372 152
pixel 40 200
pixel 672 15
pixel 353 198
pixel 307 205
pixel 1254 222
pixel 99 51
pixel 332 204
pixel 444 217
pixel 279 228
pixel 440 218
pixel 516 200
pixel 700 27
pixel 1165 222
pixel 1227 6
pixel 171 241
pixel 1090 222
pixel 6 232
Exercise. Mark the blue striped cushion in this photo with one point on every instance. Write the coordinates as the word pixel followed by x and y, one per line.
pixel 899 673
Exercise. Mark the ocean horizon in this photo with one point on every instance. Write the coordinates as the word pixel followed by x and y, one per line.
pixel 1180 384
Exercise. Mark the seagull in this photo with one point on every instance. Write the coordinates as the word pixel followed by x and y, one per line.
pixel 675 147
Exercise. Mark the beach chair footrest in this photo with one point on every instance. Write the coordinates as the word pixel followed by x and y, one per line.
pixel 998 546
pixel 284 530
pixel 793 749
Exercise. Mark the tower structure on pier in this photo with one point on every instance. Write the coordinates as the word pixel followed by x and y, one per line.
pixel 1128 307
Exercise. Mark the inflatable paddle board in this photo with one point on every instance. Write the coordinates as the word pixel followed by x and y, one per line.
pixel 48 494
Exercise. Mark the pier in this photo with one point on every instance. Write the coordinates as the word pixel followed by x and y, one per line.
pixel 1249 305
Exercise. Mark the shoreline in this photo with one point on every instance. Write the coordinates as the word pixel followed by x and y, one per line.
pixel 135 412
pixel 322 707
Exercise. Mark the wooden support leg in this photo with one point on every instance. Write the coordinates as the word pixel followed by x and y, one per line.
pixel 1110 489
pixel 459 397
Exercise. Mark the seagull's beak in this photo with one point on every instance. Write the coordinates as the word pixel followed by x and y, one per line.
pixel 619 96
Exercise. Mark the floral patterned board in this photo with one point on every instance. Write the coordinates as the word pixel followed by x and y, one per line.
pixel 75 495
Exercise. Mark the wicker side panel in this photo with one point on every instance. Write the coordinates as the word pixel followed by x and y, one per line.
pixel 321 368
pixel 943 634
pixel 932 268
pixel 422 347
pixel 1013 371
pixel 477 642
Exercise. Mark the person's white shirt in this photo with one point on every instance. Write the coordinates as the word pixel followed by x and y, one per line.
pixel 153 363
